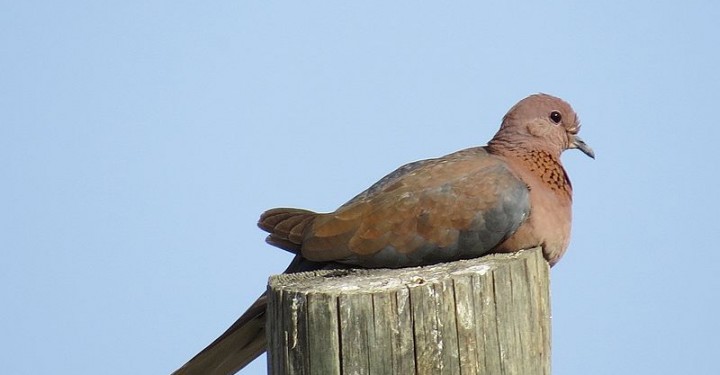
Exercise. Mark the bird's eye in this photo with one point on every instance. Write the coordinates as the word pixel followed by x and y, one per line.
pixel 556 117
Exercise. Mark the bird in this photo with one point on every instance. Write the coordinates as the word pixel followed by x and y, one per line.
pixel 508 195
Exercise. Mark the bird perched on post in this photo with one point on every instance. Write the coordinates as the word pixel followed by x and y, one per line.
pixel 510 195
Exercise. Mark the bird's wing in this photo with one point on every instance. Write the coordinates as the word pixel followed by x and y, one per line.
pixel 458 206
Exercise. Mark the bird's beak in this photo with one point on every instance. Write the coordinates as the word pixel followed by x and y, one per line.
pixel 579 144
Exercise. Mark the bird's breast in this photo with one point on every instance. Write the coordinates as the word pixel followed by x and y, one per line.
pixel 549 222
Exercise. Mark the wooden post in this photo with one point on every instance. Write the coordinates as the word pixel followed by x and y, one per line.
pixel 482 316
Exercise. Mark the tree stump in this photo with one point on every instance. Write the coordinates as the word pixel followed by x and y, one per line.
pixel 489 315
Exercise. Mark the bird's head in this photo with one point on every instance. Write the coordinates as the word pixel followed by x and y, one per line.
pixel 541 121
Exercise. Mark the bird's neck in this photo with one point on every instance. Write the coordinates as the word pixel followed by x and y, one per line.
pixel 541 163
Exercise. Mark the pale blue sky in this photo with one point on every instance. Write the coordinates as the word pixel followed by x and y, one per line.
pixel 141 140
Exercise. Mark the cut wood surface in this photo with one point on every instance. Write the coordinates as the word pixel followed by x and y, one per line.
pixel 489 315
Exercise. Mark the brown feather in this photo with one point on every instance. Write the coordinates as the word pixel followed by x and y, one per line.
pixel 287 226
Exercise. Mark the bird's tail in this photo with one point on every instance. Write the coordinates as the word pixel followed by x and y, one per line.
pixel 246 339
pixel 286 227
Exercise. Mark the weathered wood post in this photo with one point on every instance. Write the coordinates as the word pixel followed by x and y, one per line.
pixel 483 316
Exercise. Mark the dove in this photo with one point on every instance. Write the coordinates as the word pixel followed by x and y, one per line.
pixel 509 195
